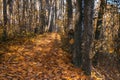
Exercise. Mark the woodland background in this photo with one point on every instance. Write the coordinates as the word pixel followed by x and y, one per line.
pixel 59 39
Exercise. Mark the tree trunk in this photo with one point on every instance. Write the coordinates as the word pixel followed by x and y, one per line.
pixel 99 19
pixel 5 20
pixel 77 55
pixel 51 16
pixel 88 35
pixel 83 40
pixel 69 14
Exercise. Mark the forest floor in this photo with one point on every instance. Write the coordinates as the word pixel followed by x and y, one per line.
pixel 38 58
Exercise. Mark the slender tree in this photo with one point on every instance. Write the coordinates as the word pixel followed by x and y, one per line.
pixel 77 55
pixel 5 19
pixel 69 13
pixel 100 18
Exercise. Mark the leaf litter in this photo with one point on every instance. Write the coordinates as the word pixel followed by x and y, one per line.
pixel 38 58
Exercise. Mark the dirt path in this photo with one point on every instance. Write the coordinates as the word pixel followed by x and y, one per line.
pixel 41 58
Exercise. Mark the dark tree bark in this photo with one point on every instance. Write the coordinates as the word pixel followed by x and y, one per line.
pixel 99 19
pixel 42 16
pixel 88 35
pixel 77 55
pixel 5 19
pixel 83 40
pixel 118 45
pixel 69 13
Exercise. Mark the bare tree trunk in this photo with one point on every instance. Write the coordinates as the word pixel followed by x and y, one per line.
pixel 69 14
pixel 77 55
pixel 51 16
pixel 99 19
pixel 83 40
pixel 5 20
pixel 55 15
pixel 88 36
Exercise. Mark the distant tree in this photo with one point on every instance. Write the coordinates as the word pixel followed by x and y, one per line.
pixel 100 18
pixel 10 2
pixel 5 19
pixel 69 13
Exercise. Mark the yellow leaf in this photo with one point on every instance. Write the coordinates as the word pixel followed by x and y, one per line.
pixel 71 41
pixel 111 50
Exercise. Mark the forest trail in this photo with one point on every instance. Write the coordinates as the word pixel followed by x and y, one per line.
pixel 38 58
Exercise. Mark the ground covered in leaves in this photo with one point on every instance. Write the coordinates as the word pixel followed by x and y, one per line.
pixel 42 58
pixel 38 58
